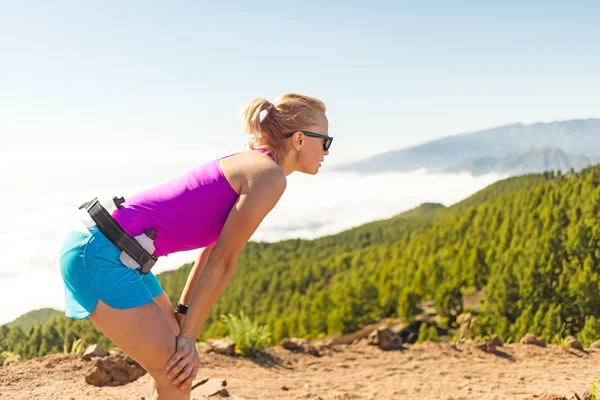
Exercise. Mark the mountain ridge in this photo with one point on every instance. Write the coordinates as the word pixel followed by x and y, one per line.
pixel 577 136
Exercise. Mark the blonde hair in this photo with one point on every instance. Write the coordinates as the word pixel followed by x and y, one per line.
pixel 288 113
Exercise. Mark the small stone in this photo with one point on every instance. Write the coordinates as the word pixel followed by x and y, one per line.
pixel 491 344
pixel 586 395
pixel 223 346
pixel 573 396
pixel 214 387
pixel 293 343
pixel 573 343
pixel 94 350
pixel 530 338
pixel 595 345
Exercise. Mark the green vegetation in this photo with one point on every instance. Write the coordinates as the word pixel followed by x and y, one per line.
pixel 249 338
pixel 530 244
pixel 594 392
pixel 7 358
pixel 35 317
pixel 428 333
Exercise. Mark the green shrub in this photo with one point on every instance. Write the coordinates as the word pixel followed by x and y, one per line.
pixel 7 358
pixel 428 333
pixel 249 337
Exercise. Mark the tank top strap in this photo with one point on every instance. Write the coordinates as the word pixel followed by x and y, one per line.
pixel 267 153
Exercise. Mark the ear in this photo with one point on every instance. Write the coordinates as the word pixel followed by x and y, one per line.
pixel 297 140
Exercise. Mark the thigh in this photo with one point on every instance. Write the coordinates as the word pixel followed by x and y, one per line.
pixel 146 335
pixel 164 302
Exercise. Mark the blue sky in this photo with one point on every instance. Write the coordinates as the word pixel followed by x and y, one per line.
pixel 114 74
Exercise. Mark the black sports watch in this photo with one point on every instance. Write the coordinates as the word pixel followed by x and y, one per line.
pixel 181 308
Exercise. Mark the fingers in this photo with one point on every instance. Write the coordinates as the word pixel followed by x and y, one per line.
pixel 187 384
pixel 176 369
pixel 187 373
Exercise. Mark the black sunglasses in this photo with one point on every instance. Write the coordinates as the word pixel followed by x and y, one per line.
pixel 326 142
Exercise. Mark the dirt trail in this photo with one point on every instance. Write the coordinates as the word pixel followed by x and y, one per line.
pixel 353 372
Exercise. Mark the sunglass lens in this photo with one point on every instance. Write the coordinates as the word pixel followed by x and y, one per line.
pixel 327 144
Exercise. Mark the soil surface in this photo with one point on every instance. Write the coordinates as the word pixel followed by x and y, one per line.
pixel 345 372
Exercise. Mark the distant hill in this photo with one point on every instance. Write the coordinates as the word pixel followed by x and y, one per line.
pixel 35 317
pixel 534 160
pixel 573 137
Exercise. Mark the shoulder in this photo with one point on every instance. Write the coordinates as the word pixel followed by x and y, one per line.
pixel 252 170
pixel 265 174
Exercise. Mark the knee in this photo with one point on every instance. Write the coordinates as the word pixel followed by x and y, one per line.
pixel 165 387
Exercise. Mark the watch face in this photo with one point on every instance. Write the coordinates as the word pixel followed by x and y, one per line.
pixel 181 308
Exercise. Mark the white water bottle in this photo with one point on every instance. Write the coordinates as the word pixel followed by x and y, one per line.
pixel 110 204
pixel 146 239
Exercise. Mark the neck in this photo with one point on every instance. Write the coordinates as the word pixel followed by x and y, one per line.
pixel 286 165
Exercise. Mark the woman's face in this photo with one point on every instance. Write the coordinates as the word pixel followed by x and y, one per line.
pixel 310 149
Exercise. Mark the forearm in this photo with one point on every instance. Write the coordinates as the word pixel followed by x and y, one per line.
pixel 194 276
pixel 212 282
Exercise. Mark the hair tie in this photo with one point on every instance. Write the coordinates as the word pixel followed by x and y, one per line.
pixel 270 106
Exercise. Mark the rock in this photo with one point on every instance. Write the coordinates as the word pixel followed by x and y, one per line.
pixel 586 395
pixel 385 338
pixel 300 345
pixel 213 387
pixel 530 338
pixel 595 345
pixel 491 344
pixel 293 343
pixel 310 349
pixel 205 348
pixel 114 370
pixel 223 346
pixel 200 380
pixel 573 343
pixel 94 350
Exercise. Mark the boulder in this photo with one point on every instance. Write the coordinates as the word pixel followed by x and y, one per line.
pixel 114 370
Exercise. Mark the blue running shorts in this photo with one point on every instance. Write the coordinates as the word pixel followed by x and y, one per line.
pixel 92 271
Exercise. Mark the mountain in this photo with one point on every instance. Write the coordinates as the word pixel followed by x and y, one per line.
pixel 572 136
pixel 533 160
pixel 34 317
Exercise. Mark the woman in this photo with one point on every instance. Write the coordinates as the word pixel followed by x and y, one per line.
pixel 215 207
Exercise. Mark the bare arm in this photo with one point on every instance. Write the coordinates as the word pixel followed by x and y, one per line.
pixel 192 281
pixel 257 198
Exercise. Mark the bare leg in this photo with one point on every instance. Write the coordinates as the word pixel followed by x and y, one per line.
pixel 146 335
pixel 164 302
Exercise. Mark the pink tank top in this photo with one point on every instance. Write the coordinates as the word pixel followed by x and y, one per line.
pixel 187 212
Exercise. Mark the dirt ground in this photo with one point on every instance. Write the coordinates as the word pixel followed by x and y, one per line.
pixel 346 372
